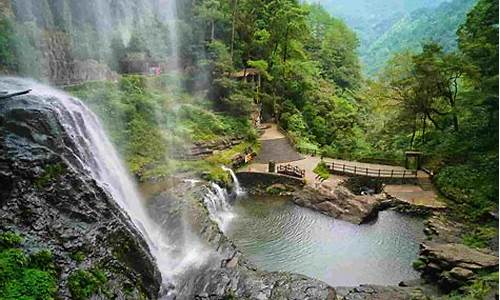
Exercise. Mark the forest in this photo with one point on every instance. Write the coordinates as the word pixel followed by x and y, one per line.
pixel 439 97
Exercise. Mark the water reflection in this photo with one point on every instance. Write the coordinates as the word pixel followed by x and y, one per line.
pixel 279 236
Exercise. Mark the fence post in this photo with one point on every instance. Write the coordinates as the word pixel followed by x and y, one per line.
pixel 392 173
pixel 378 172
pixel 366 171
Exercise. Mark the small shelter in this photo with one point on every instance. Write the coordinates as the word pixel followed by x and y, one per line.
pixel 416 156
pixel 139 63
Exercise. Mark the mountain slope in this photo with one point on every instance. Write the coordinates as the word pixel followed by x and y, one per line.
pixel 372 18
pixel 439 25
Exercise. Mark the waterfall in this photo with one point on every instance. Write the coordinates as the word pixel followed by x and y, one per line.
pixel 92 150
pixel 239 191
pixel 217 202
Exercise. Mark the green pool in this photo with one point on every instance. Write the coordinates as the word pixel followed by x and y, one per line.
pixel 278 235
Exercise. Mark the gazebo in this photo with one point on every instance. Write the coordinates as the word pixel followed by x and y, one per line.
pixel 416 156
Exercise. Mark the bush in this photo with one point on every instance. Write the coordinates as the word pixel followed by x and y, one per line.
pixel 85 283
pixel 418 264
pixel 322 170
pixel 470 190
pixel 480 237
pixel 9 240
pixel 23 276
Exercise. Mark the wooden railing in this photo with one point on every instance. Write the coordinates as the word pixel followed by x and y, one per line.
pixel 290 170
pixel 362 171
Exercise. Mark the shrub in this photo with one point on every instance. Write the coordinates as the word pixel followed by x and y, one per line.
pixel 322 170
pixel 23 276
pixel 418 264
pixel 85 283
pixel 9 240
pixel 51 172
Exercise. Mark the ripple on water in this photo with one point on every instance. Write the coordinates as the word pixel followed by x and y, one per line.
pixel 279 236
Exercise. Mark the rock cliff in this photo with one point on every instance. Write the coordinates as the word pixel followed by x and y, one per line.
pixel 50 199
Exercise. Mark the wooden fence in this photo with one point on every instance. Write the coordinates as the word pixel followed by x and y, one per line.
pixel 362 171
pixel 290 170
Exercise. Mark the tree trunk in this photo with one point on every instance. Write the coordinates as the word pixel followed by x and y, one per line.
pixel 233 29
pixel 423 128
pixel 212 37
pixel 414 132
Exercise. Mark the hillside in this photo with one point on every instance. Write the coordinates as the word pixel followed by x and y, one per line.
pixel 427 24
pixel 387 27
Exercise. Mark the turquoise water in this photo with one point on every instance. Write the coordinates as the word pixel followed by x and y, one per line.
pixel 278 235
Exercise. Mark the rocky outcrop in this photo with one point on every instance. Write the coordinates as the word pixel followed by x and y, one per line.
pixel 451 264
pixel 50 199
pixel 442 229
pixel 339 203
pixel 203 149
pixel 377 292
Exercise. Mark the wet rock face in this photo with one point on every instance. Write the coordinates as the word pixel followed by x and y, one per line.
pixel 51 200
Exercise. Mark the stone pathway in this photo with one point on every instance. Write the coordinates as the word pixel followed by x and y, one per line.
pixel 275 146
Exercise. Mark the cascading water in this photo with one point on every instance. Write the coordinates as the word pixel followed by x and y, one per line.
pixel 95 153
pixel 217 202
pixel 238 190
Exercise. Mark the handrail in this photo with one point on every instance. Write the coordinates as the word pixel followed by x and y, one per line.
pixel 364 171
pixel 291 170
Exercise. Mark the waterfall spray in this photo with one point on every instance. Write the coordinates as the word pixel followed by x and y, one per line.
pixel 94 152
pixel 217 202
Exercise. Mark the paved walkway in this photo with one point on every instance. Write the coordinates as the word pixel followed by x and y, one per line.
pixel 275 147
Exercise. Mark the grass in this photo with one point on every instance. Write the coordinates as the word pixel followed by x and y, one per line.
pixel 322 170
pixel 85 283
pixel 24 276
pixel 480 236
pixel 478 289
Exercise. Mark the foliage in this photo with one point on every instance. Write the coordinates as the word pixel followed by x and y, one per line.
pixel 480 237
pixel 78 256
pixel 322 170
pixel 446 105
pixel 8 60
pixel 478 289
pixel 85 283
pixel 437 24
pixel 418 264
pixel 24 276
pixel 50 172
pixel 9 240
pixel 138 111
